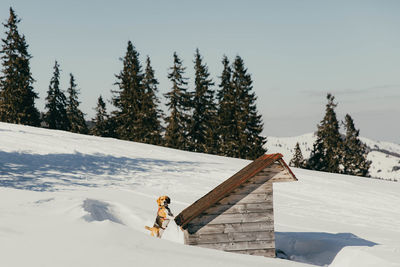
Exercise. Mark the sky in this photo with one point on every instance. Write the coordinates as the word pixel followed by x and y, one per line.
pixel 295 51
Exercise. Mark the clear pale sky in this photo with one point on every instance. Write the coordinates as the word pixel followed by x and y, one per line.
pixel 296 51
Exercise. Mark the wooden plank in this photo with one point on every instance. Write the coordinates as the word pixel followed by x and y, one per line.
pixel 278 179
pixel 234 218
pixel 229 227
pixel 270 252
pixel 246 198
pixel 239 246
pixel 239 208
pixel 253 188
pixel 230 237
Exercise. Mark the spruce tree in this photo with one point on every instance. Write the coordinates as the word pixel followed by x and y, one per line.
pixel 17 97
pixel 153 115
pixel 101 120
pixel 178 103
pixel 297 160
pixel 250 142
pixel 327 148
pixel 202 132
pixel 226 119
pixel 355 152
pixel 75 115
pixel 56 104
pixel 129 99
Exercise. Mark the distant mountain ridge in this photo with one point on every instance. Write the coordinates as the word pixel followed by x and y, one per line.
pixel 385 156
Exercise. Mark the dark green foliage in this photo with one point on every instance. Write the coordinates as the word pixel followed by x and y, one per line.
pixel 17 98
pixel 178 102
pixel 101 122
pixel 297 160
pixel 327 149
pixel 56 104
pixel 226 119
pixel 355 152
pixel 202 132
pixel 129 99
pixel 249 123
pixel 153 115
pixel 75 115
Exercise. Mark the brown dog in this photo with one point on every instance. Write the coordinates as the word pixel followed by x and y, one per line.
pixel 163 217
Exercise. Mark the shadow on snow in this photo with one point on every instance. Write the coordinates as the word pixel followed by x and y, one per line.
pixel 315 248
pixel 45 172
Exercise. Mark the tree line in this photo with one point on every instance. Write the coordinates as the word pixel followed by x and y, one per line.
pixel 212 118
pixel 333 152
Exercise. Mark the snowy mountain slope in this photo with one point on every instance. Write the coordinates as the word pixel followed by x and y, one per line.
pixel 385 156
pixel 73 200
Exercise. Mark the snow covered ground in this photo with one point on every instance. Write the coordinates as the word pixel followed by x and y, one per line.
pixel 385 156
pixel 74 200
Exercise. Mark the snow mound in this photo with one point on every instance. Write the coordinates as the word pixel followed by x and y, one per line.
pixel 99 211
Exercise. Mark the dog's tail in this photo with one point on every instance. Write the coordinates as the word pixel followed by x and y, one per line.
pixel 148 228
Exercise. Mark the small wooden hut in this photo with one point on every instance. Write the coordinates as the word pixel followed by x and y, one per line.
pixel 237 215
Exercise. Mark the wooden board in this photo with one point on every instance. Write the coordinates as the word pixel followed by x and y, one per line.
pixel 246 199
pixel 234 218
pixel 240 246
pixel 253 188
pixel 258 252
pixel 229 227
pixel 196 239
pixel 239 208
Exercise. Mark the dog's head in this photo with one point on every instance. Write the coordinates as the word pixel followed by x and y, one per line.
pixel 163 201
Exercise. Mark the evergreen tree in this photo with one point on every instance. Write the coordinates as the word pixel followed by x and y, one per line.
pixel 355 153
pixel 101 121
pixel 75 115
pixel 17 97
pixel 178 102
pixel 202 132
pixel 297 160
pixel 129 99
pixel 227 125
pixel 153 115
pixel 56 103
pixel 250 142
pixel 327 149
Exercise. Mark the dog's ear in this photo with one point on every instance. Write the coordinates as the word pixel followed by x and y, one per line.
pixel 159 201
pixel 168 200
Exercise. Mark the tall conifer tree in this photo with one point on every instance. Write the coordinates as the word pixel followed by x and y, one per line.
pixel 249 122
pixel 178 103
pixel 202 132
pixel 101 120
pixel 226 119
pixel 297 160
pixel 129 99
pixel 75 115
pixel 56 103
pixel 355 152
pixel 327 148
pixel 17 97
pixel 153 115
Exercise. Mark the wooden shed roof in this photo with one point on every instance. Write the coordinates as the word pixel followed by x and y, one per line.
pixel 228 186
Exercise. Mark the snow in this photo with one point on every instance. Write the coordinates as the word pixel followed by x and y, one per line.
pixel 75 200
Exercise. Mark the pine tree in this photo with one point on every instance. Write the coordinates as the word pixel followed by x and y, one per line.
pixel 153 115
pixel 227 125
pixel 129 99
pixel 249 122
pixel 56 103
pixel 101 121
pixel 75 115
pixel 17 97
pixel 202 132
pixel 355 153
pixel 327 149
pixel 297 160
pixel 176 134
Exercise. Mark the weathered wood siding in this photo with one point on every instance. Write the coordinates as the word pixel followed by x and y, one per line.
pixel 243 221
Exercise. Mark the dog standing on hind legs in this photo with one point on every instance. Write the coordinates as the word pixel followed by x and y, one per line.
pixel 164 215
